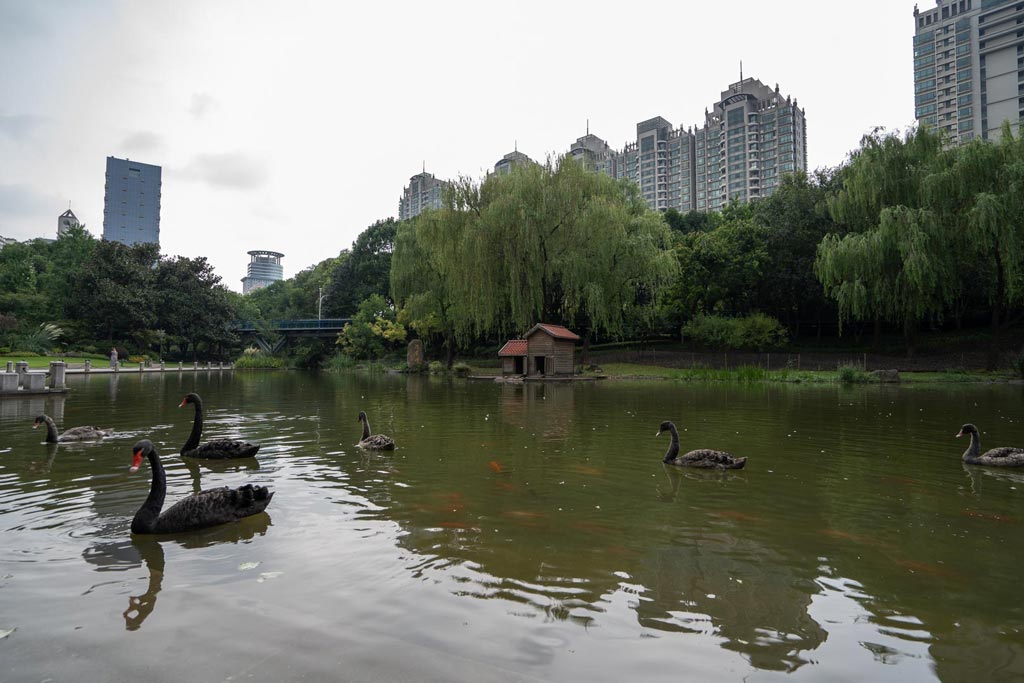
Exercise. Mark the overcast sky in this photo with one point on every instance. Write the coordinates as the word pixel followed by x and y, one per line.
pixel 293 125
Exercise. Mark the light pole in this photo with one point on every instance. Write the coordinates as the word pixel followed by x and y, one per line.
pixel 320 303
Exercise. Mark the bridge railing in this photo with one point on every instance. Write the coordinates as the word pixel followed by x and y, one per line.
pixel 286 325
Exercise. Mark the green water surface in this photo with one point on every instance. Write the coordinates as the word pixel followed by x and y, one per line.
pixel 519 533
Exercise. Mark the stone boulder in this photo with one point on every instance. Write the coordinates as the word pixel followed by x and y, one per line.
pixel 414 355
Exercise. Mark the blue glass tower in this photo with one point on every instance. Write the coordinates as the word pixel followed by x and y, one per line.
pixel 131 205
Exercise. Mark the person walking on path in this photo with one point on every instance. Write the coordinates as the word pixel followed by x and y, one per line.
pixel 113 358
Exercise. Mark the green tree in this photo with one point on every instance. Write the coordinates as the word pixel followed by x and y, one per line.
pixel 373 331
pixel 796 218
pixel 192 305
pixel 560 244
pixel 721 271
pixel 977 194
pixel 365 270
pixel 113 293
pixel 894 265
pixel 427 270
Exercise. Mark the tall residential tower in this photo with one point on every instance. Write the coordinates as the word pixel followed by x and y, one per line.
pixel 131 204
pixel 424 192
pixel 969 67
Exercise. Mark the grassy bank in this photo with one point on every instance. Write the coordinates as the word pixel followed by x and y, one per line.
pixel 628 371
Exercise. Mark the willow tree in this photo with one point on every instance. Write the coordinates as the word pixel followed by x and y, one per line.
pixel 558 243
pixel 427 269
pixel 979 194
pixel 895 264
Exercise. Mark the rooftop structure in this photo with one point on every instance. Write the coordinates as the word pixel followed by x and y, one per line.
pixel 510 161
pixel 66 221
pixel 264 269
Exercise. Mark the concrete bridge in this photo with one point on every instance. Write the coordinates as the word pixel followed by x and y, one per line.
pixel 271 335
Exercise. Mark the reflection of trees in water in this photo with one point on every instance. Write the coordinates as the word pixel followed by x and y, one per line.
pixel 125 555
pixel 714 583
pixel 521 402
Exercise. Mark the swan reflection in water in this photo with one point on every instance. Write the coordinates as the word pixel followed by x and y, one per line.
pixel 195 467
pixel 127 555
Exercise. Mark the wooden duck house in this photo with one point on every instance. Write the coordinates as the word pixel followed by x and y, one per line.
pixel 545 351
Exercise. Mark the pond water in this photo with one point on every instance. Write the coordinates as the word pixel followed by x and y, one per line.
pixel 519 533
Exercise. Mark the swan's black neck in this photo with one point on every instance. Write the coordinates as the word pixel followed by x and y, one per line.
pixel 366 429
pixel 974 450
pixel 197 428
pixel 51 430
pixel 145 518
pixel 673 448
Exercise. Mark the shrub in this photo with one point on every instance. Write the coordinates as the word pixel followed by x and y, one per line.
pixel 435 367
pixel 709 330
pixel 852 374
pixel 258 361
pixel 1018 365
pixel 461 370
pixel 757 332
pixel 340 362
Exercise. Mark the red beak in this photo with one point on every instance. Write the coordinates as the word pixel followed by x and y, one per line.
pixel 960 433
pixel 183 402
pixel 136 461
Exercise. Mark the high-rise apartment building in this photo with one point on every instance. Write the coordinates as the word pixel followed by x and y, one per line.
pixel 969 67
pixel 264 269
pixel 750 138
pixel 423 192
pixel 131 204
pixel 66 221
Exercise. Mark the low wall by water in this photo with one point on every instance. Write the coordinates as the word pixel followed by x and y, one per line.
pixel 18 380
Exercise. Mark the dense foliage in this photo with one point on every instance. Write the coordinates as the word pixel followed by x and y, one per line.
pixel 545 242
pixel 907 235
pixel 936 233
pixel 96 294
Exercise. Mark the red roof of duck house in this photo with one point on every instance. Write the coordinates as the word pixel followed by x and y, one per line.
pixel 556 331
pixel 513 347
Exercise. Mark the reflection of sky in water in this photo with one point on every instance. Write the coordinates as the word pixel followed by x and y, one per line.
pixel 517 531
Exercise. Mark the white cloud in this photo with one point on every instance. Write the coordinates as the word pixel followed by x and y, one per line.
pixel 201 104
pixel 231 170
pixel 142 141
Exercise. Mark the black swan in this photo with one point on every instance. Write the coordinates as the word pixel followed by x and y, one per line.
pixel 219 449
pixel 376 442
pixel 1006 456
pixel 704 458
pixel 198 511
pixel 73 434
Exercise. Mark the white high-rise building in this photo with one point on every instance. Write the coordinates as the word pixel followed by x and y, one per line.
pixel 969 67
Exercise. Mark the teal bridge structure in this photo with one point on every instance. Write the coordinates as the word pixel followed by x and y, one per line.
pixel 271 335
